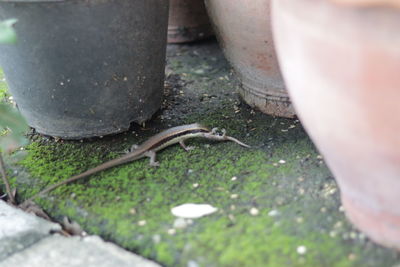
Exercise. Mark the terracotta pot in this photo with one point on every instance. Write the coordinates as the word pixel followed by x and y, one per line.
pixel 243 29
pixel 394 3
pixel 188 21
pixel 343 76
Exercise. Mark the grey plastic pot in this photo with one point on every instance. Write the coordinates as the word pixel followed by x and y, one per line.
pixel 84 68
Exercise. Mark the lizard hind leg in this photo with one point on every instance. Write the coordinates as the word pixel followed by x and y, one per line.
pixel 129 150
pixel 223 131
pixel 133 147
pixel 152 155
pixel 186 148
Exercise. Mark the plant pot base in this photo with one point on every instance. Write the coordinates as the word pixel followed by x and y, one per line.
pixel 381 226
pixel 272 103
pixel 81 129
pixel 243 29
pixel 188 21
pixel 178 35
pixel 101 131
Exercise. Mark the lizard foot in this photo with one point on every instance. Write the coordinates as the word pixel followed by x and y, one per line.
pixel 214 131
pixel 155 164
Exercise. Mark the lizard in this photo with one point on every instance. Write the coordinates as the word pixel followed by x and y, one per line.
pixel 149 148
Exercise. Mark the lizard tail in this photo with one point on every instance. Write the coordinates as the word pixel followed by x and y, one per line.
pixel 230 138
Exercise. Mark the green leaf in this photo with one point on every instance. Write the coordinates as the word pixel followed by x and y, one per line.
pixel 7 33
pixel 12 126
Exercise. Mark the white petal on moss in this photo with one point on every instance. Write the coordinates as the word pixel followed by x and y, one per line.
pixel 192 211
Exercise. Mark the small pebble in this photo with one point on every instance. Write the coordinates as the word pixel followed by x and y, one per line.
pixel 332 234
pixel 353 235
pixel 132 211
pixel 273 213
pixel 156 239
pixel 332 191
pixel 301 250
pixel 199 71
pixel 234 196
pixel 254 211
pixel 171 231
pixel 338 224
pixel 280 200
pixel 192 263
pixel 234 178
pixel 142 223
pixel 352 256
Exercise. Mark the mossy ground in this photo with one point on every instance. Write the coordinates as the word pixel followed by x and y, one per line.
pixel 300 222
pixel 3 86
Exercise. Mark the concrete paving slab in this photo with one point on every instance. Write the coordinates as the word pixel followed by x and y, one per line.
pixel 59 251
pixel 19 230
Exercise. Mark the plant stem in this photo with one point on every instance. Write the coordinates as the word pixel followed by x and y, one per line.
pixel 5 180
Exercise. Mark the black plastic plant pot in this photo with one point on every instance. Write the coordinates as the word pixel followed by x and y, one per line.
pixel 84 68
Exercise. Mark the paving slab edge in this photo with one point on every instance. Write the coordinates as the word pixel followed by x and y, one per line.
pixel 27 240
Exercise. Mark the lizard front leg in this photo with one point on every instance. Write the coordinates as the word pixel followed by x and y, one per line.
pixel 152 155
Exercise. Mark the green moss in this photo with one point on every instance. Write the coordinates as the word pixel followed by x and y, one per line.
pixel 104 203
pixel 3 85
